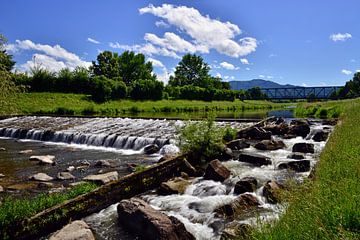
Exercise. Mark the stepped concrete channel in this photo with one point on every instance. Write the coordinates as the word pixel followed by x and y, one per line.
pixel 197 206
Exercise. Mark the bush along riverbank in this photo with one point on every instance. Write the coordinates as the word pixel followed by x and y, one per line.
pixel 329 206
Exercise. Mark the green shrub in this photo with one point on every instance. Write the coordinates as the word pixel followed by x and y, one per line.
pixel 147 89
pixel 229 134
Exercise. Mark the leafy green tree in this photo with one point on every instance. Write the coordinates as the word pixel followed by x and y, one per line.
pixel 255 93
pixel 6 62
pixel 128 66
pixel 191 70
pixel 353 86
pixel 147 89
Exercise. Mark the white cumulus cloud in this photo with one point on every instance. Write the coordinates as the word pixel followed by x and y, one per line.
pixel 162 24
pixel 156 63
pixel 50 57
pixel 244 61
pixel 92 40
pixel 358 70
pixel 228 66
pixel 340 37
pixel 212 33
pixel 346 72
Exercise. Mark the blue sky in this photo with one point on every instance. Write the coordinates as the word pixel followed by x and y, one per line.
pixel 309 43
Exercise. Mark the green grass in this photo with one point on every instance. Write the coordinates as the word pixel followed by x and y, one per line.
pixel 13 210
pixel 77 104
pixel 329 206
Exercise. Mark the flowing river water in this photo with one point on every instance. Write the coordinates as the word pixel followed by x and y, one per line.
pixel 121 140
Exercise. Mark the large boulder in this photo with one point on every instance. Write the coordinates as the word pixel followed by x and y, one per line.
pixel 238 144
pixel 320 136
pixel 176 185
pixel 299 127
pixel 255 159
pixel 77 230
pixel 141 219
pixel 271 191
pixel 65 176
pixel 297 166
pixel 242 204
pixel 254 133
pixel 42 177
pixel 103 178
pixel 151 149
pixel 43 159
pixel 216 171
pixel 246 184
pixel 277 129
pixel 303 147
pixel 297 156
pixel 270 145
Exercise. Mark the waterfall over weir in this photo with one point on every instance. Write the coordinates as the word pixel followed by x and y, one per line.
pixel 119 133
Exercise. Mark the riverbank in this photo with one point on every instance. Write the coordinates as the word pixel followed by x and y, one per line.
pixel 328 207
pixel 80 105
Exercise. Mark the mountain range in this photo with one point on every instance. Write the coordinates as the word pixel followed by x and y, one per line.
pixel 237 85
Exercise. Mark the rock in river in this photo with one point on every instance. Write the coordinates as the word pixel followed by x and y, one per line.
pixel 246 184
pixel 216 171
pixel 254 133
pixel 297 166
pixel 271 192
pixel 42 177
pixel 320 136
pixel 270 145
pixel 255 159
pixel 103 178
pixel 27 151
pixel 303 147
pixel 151 149
pixel 238 144
pixel 44 159
pixel 77 230
pixel 176 185
pixel 141 219
pixel 239 206
pixel 65 176
pixel 1 189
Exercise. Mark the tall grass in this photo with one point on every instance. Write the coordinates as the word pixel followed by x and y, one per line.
pixel 329 206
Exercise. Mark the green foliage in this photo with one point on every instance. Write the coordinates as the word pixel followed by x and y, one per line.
pixel 147 89
pixel 42 80
pixel 318 110
pixel 201 138
pixel 101 90
pixel 140 168
pixel 229 134
pixel 15 209
pixel 191 92
pixel 6 62
pixel 128 66
pixel 255 93
pixel 328 207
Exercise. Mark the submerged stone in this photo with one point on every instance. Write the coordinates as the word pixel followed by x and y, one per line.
pixel 43 177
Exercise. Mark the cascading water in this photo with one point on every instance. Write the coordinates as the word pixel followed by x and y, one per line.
pixel 195 208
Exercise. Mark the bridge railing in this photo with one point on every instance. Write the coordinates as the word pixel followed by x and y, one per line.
pixel 301 92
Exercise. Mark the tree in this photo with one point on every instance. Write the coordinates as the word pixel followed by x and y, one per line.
pixel 6 62
pixel 255 93
pixel 147 89
pixel 191 70
pixel 128 66
pixel 353 86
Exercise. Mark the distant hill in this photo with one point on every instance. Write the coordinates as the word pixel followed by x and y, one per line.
pixel 237 85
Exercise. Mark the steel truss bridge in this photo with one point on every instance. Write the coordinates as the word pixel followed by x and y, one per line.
pixel 300 92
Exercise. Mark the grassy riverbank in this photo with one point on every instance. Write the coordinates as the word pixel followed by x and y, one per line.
pixel 328 207
pixel 13 209
pixel 77 104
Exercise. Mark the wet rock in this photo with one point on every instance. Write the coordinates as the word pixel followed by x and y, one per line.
pixel 269 145
pixel 104 163
pixel 1 189
pixel 238 144
pixel 303 147
pixel 255 133
pixel 2 149
pixel 297 156
pixel 242 204
pixel 247 184
pixel 176 185
pixel 226 154
pixel 236 230
pixel 140 218
pixel 299 127
pixel 151 149
pixel 27 151
pixel 277 129
pixel 21 186
pixel 44 159
pixel 131 167
pixel 271 192
pixel 255 159
pixel 77 230
pixel 289 136
pixel 297 166
pixel 45 185
pixel 2 175
pixel 42 177
pixel 320 136
pixel 188 168
pixel 216 171
pixel 331 122
pixel 103 178
pixel 76 183
pixel 70 168
pixel 65 176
